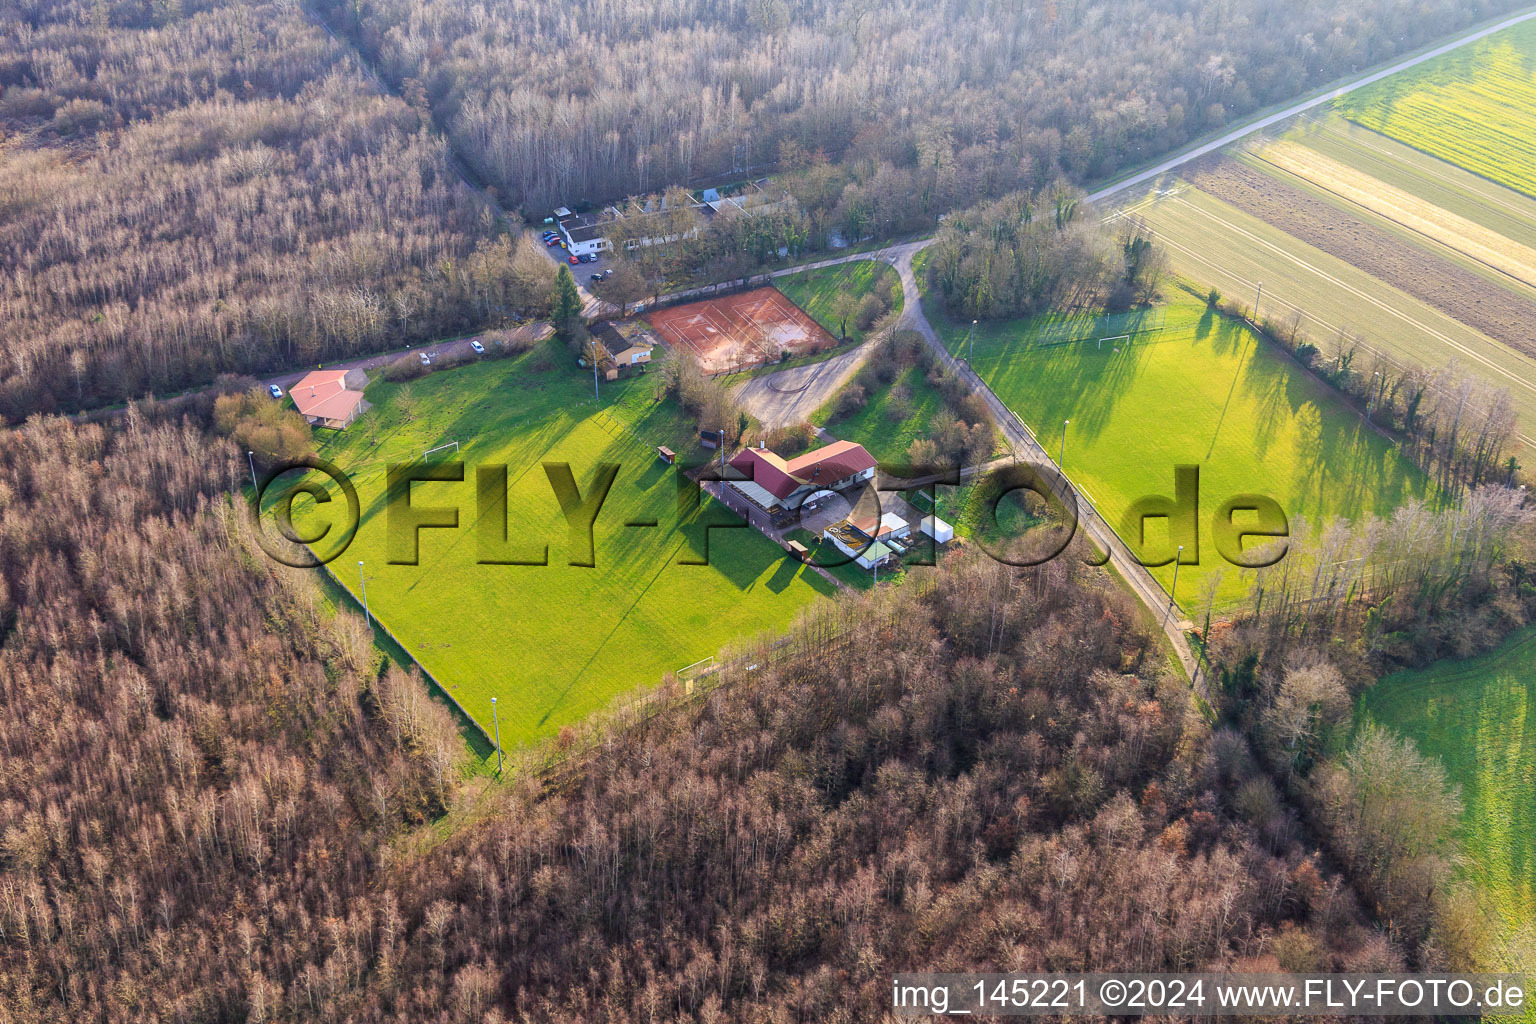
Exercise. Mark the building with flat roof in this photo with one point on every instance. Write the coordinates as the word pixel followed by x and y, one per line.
pixel 638 221
pixel 865 550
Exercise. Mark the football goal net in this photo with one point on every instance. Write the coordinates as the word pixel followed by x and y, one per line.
pixel 1116 329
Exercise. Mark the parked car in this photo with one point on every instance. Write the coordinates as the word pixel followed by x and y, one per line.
pixel 274 391
pixel 479 348
pixel 605 275
pixel 573 260
pixel 587 257
pixel 596 278
pixel 426 358
pixel 552 242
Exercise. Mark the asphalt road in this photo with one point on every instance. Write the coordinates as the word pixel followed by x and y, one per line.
pixel 1195 152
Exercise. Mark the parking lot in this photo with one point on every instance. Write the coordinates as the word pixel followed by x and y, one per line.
pixel 582 272
pixel 557 252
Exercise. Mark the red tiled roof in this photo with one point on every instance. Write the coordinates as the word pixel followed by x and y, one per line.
pixel 766 470
pixel 323 394
pixel 835 462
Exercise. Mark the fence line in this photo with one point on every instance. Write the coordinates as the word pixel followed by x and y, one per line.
pixel 401 644
pixel 740 284
pixel 558 768
pixel 1063 487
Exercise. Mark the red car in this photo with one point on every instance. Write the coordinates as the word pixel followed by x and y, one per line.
pixel 574 260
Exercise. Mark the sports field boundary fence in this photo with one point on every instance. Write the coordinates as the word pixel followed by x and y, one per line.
pixel 1061 486
pixel 379 623
pixel 1127 327
pixel 558 768
pixel 708 291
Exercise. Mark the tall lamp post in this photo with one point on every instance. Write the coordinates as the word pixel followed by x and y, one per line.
pixel 251 458
pixel 970 343
pixel 496 724
pixel 1173 594
pixel 1061 463
pixel 364 581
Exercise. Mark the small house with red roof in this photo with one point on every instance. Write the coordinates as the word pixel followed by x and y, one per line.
pixel 331 398
pixel 778 485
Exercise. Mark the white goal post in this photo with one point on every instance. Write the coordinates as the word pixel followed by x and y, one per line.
pixel 426 455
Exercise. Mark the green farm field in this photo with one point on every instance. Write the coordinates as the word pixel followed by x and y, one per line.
pixel 1219 246
pixel 1474 107
pixel 816 291
pixel 1447 186
pixel 553 642
pixel 1479 717
pixel 1202 390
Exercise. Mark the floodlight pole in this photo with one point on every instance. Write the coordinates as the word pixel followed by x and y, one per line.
pixel 1256 299
pixel 251 458
pixel 364 581
pixel 1172 594
pixel 595 396
pixel 970 344
pixel 496 724
pixel 1062 462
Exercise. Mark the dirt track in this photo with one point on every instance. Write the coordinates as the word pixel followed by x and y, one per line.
pixel 1473 300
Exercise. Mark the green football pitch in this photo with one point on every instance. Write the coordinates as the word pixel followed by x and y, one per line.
pixel 1127 399
pixel 553 642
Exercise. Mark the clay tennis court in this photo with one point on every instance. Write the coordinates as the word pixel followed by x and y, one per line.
pixel 742 330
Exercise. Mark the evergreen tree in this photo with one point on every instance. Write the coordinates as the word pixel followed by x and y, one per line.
pixel 565 305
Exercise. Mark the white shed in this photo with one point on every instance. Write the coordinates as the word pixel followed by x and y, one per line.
pixel 938 529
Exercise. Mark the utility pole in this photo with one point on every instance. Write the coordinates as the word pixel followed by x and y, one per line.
pixel 1173 594
pixel 496 724
pixel 364 581
pixel 1256 299
pixel 1061 463
pixel 251 458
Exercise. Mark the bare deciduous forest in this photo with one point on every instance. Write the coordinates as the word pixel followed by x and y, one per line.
pixel 1347 605
pixel 197 186
pixel 199 765
pixel 220 801
pixel 924 106
pixel 214 804
pixel 219 191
